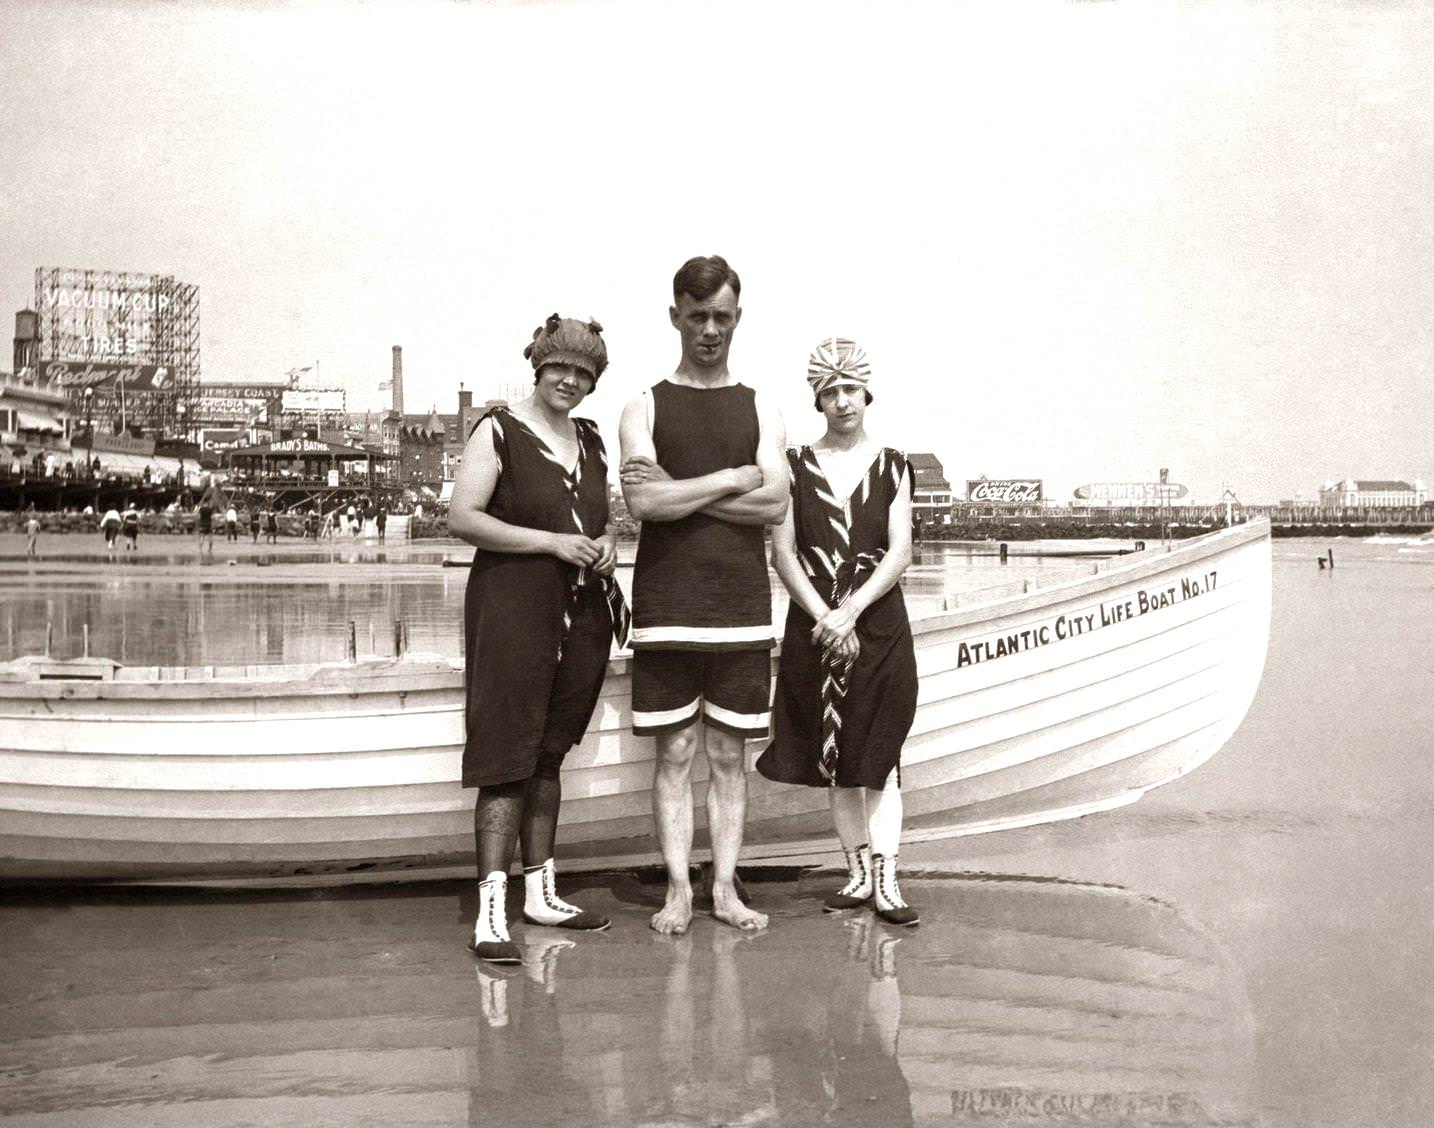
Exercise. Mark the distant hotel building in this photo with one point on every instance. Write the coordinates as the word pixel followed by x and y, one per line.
pixel 931 504
pixel 1372 494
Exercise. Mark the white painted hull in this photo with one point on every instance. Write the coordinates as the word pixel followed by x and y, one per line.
pixel 336 772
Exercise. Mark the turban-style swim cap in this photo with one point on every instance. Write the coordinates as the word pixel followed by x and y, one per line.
pixel 838 361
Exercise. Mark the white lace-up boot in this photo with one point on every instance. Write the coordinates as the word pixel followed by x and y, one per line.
pixel 542 905
pixel 889 903
pixel 858 889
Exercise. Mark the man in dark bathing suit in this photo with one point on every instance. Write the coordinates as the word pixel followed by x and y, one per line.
pixel 704 471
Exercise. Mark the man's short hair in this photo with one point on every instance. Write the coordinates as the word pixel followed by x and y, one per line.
pixel 703 276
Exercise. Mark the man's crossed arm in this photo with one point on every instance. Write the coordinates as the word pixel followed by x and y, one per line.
pixel 743 495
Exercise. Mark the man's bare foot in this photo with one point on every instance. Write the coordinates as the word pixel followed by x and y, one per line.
pixel 675 915
pixel 728 908
pixel 706 880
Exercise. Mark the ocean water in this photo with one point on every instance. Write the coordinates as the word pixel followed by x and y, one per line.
pixel 1247 946
pixel 245 604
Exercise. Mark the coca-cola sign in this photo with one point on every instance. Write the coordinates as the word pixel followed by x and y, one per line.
pixel 1004 491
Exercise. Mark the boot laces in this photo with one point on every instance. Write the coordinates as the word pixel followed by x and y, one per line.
pixel 886 881
pixel 550 894
pixel 859 878
pixel 497 925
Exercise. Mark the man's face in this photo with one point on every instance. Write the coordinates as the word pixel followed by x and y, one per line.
pixel 706 326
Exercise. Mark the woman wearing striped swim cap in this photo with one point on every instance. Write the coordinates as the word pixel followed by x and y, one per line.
pixel 846 690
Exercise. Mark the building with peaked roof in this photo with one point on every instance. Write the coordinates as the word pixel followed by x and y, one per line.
pixel 421 440
pixel 1380 493
pixel 931 503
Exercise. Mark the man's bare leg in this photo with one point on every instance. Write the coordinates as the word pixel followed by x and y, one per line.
pixel 726 820
pixel 672 812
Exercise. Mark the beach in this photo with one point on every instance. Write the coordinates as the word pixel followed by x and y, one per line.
pixel 1244 946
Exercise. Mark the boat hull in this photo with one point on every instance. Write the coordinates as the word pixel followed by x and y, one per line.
pixel 1034 705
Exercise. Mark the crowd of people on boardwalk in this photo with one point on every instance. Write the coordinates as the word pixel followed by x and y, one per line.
pixel 211 509
pixel 705 469
pixel 71 466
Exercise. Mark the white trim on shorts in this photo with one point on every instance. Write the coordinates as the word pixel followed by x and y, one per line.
pixel 659 718
pixel 747 722
pixel 761 632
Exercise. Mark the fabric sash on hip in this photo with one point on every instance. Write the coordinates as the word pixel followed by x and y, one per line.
pixel 841 577
pixel 579 575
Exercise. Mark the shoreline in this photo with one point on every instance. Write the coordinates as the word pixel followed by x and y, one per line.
pixel 73 526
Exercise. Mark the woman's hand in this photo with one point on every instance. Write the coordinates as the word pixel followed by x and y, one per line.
pixel 835 627
pixel 846 650
pixel 575 549
pixel 607 558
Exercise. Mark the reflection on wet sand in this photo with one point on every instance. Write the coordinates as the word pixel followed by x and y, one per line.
pixel 1016 1002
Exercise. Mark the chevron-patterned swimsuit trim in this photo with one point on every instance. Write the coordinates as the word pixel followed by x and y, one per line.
pixel 617 605
pixel 840 571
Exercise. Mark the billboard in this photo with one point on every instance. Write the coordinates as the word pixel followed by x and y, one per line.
pixel 219 403
pixel 1130 493
pixel 118 393
pixel 1004 491
pixel 108 316
pixel 329 399
pixel 76 376
pixel 133 338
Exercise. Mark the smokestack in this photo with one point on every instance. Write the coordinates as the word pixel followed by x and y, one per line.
pixel 398 379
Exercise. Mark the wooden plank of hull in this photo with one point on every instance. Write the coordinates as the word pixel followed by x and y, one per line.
pixel 1014 726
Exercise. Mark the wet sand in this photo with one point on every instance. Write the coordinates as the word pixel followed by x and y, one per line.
pixel 1015 1001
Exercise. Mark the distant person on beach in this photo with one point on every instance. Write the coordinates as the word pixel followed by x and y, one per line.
pixel 204 524
pixel 256 521
pixel 703 471
pixel 231 523
pixel 380 521
pixel 846 691
pixel 32 534
pixel 311 525
pixel 110 526
pixel 540 614
pixel 129 521
pixel 271 526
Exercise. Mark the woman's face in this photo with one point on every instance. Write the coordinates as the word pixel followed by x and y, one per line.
pixel 563 386
pixel 844 407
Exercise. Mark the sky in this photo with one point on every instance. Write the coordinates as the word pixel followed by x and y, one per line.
pixel 1079 241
